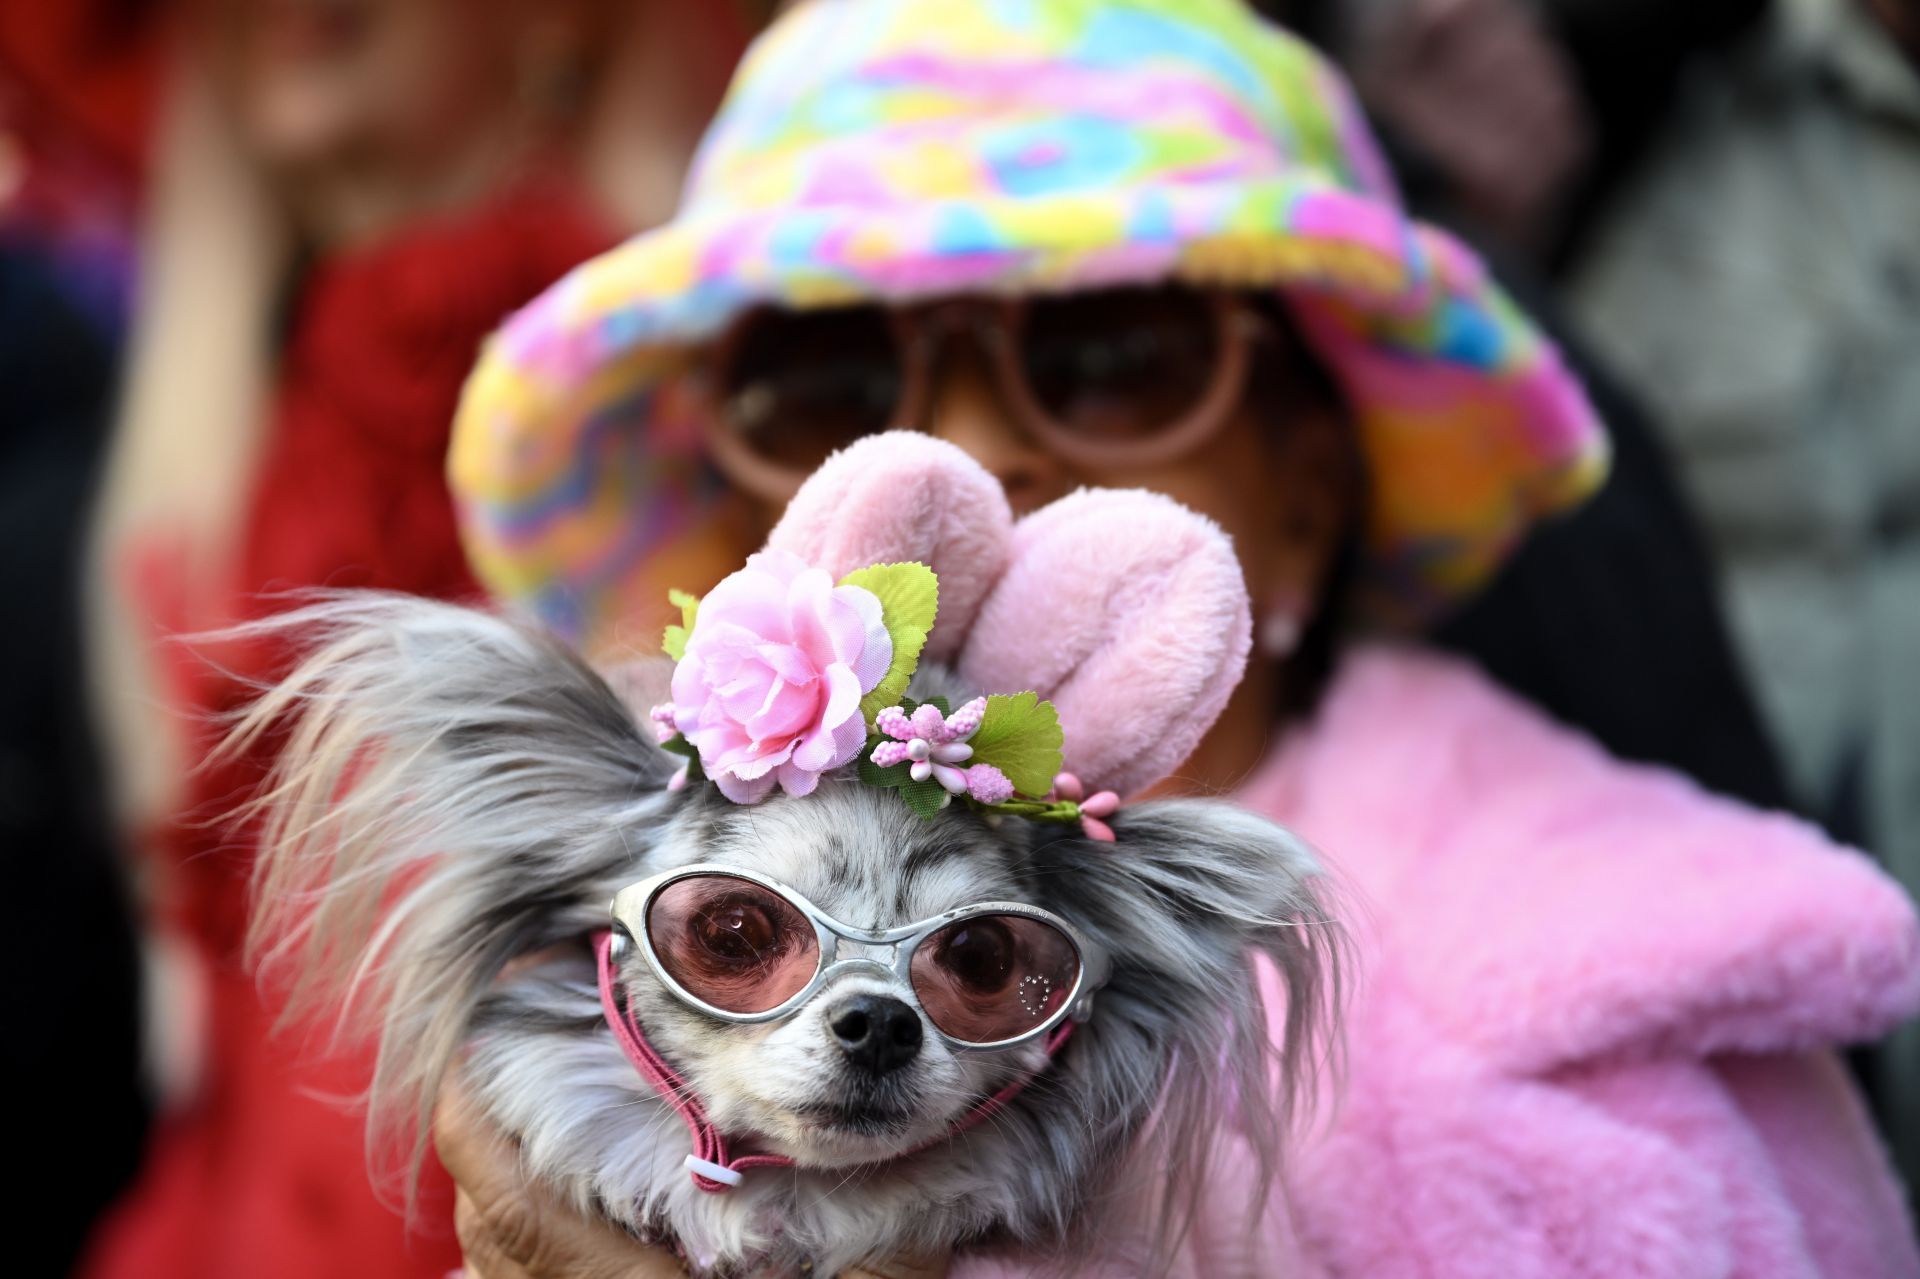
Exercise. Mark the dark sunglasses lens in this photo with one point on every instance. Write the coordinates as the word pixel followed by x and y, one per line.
pixel 732 943
pixel 994 977
pixel 1120 364
pixel 796 385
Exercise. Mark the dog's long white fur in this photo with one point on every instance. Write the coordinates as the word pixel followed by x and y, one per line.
pixel 456 792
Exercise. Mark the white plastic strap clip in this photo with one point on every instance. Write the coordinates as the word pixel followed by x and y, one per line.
pixel 711 1171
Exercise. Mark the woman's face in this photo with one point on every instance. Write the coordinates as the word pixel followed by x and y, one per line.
pixel 1280 474
pixel 365 112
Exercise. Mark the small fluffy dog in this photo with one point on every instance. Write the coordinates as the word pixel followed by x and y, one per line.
pixel 458 799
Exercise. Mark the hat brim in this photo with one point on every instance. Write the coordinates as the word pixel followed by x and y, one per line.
pixel 565 448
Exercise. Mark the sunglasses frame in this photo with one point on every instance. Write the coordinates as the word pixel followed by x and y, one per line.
pixel 996 324
pixel 635 901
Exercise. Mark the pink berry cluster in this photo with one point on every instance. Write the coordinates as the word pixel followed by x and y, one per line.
pixel 935 746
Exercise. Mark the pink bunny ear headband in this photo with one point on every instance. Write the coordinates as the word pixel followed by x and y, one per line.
pixel 1120 618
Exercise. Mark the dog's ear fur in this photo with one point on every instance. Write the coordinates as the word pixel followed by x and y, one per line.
pixel 1182 902
pixel 453 789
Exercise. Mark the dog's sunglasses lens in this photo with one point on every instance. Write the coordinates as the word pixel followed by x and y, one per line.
pixel 989 978
pixel 732 943
pixel 1120 364
pixel 795 386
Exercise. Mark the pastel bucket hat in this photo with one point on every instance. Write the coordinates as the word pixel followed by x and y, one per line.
pixel 887 150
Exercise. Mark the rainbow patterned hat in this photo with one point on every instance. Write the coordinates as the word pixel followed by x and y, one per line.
pixel 900 149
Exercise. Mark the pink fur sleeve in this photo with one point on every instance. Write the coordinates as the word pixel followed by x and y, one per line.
pixel 1554 906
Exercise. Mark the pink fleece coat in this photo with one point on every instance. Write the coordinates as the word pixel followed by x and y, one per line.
pixel 1595 1012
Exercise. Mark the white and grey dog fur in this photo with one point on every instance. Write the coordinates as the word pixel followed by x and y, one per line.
pixel 456 792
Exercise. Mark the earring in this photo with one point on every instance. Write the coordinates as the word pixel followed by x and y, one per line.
pixel 1282 622
pixel 1280 634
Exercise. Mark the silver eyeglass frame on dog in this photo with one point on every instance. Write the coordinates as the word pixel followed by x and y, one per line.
pixel 632 904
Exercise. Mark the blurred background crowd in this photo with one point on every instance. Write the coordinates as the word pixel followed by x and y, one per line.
pixel 248 249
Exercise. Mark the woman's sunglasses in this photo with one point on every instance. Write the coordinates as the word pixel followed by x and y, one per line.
pixel 744 948
pixel 1116 377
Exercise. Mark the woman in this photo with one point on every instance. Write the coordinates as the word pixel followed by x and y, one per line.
pixel 346 198
pixel 1151 244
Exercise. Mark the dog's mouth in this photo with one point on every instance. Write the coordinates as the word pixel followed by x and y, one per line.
pixel 857 1118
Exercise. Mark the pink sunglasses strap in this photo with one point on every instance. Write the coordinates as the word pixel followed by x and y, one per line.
pixel 713 1170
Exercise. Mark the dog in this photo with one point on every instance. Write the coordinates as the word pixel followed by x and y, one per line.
pixel 459 796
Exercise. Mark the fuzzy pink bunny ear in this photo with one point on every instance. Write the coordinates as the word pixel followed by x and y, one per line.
pixel 1129 612
pixel 898 497
pixel 1125 609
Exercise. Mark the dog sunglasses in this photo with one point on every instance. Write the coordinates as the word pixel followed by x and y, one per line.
pixel 742 947
pixel 1115 377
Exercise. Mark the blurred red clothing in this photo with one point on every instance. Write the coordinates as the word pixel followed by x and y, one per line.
pixel 266 1174
pixel 89 69
pixel 78 90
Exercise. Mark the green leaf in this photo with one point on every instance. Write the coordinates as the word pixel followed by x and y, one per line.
pixel 1020 735
pixel 679 745
pixel 874 775
pixel 909 597
pixel 925 798
pixel 674 642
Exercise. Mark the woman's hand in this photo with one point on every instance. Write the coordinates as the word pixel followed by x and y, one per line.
pixel 511 1228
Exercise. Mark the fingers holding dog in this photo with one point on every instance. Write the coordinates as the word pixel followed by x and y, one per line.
pixel 904 1268
pixel 512 1228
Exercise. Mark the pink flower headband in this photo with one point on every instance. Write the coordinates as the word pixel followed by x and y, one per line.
pixel 782 675
pixel 1122 616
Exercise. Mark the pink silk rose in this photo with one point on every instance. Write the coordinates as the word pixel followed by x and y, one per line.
pixel 769 686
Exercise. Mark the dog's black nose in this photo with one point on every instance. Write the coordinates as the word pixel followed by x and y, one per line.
pixel 877 1032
